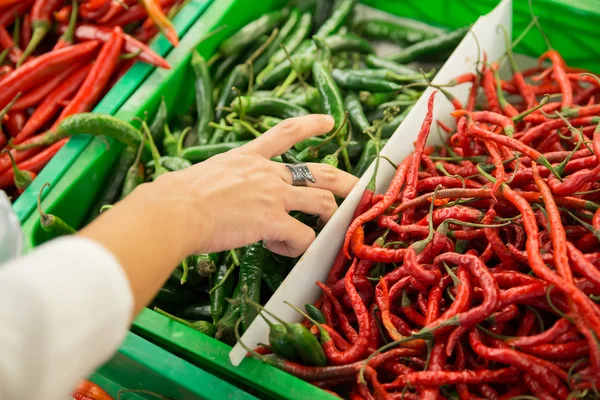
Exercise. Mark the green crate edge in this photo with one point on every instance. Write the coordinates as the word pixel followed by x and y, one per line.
pixel 140 364
pixel 213 355
pixel 109 104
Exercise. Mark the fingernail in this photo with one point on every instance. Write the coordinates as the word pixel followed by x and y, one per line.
pixel 330 118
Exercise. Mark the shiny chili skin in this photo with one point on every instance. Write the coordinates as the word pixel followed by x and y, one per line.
pixel 37 71
pixel 33 164
pixel 489 286
pixel 376 254
pixel 560 75
pixel 378 209
pixel 410 191
pixel 95 83
pixel 529 364
pixel 52 103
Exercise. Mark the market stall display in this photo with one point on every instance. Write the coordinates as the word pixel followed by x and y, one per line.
pixel 61 58
pixel 275 90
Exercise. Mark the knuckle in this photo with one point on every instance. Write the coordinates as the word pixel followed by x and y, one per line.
pixel 328 173
pixel 328 200
pixel 290 124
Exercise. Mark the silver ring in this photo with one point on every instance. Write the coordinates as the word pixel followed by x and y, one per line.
pixel 300 174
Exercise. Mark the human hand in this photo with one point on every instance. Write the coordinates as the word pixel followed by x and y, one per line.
pixel 241 197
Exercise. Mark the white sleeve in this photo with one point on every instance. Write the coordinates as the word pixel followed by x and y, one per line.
pixel 64 310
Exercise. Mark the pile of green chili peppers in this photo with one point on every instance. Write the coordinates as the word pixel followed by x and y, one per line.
pixel 287 63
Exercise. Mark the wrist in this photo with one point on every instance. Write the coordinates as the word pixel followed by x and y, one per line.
pixel 179 214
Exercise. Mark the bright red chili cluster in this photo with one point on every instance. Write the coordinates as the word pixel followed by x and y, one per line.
pixel 477 271
pixel 48 75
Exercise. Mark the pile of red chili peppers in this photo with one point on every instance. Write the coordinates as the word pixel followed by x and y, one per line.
pixel 476 274
pixel 59 57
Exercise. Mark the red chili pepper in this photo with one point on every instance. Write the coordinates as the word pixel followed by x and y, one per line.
pixel 410 190
pixel 560 75
pixel 95 83
pixel 51 105
pixel 85 32
pixel 91 11
pixel 557 231
pixel 38 71
pixel 489 88
pixel 8 16
pixel 33 164
pixel 41 20
pixel 16 121
pixel 161 21
pixel 92 391
pixel 36 95
pixel 347 329
pixel 116 8
pixel 532 365
pixel 137 13
pixel 6 42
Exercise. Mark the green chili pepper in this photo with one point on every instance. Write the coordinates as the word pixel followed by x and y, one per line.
pixel 356 112
pixel 222 292
pixel 437 44
pixel 281 342
pixel 229 138
pixel 284 33
pixel 315 313
pixel 21 178
pixel 349 80
pixel 337 19
pixel 204 104
pixel 226 324
pixel 135 174
pixel 397 31
pixel 310 99
pixel 188 277
pixel 198 154
pixel 330 159
pixel 250 278
pixel 171 163
pixel 366 158
pixel 290 157
pixel 169 142
pixel 195 312
pixel 375 62
pixel 307 346
pixel 218 135
pixel 290 43
pixel 322 12
pixel 272 273
pixel 303 60
pixel 51 223
pixel 375 99
pixel 201 326
pixel 174 293
pixel 157 125
pixel 238 79
pixel 225 66
pixel 113 184
pixel 252 32
pixel 158 168
pixel 267 106
pixel 268 122
pixel 331 98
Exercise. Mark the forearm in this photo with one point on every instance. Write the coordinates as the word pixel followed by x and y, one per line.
pixel 144 233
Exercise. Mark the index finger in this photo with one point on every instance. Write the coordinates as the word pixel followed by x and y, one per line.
pixel 282 137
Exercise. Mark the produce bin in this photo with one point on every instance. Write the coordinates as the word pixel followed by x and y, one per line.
pixel 109 104
pixel 73 194
pixel 140 365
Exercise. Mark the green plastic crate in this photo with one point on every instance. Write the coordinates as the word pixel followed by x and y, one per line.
pixel 109 104
pixel 141 365
pixel 75 192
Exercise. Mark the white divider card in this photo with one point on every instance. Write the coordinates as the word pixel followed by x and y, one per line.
pixel 299 287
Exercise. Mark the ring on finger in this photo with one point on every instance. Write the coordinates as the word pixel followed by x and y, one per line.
pixel 300 174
